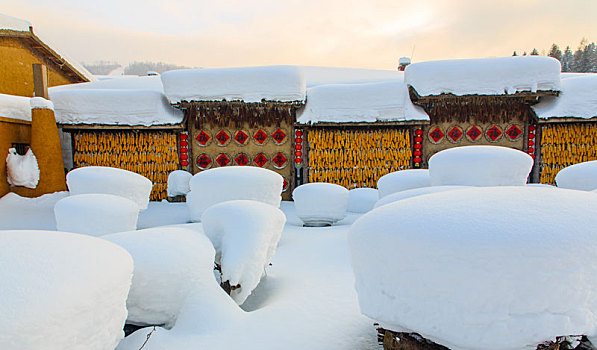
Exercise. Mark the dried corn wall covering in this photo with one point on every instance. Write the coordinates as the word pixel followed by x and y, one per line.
pixel 151 154
pixel 358 157
pixel 566 144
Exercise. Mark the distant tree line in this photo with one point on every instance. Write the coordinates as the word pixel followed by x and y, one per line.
pixel 134 68
pixel 583 60
pixel 101 67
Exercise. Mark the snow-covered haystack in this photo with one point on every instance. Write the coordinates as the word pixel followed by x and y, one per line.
pixel 245 234
pixel 96 214
pixel 403 180
pixel 320 204
pixel 581 176
pixel 178 183
pixel 61 291
pixel 397 196
pixel 166 266
pixel 120 182
pixel 481 268
pixel 218 185
pixel 361 200
pixel 480 166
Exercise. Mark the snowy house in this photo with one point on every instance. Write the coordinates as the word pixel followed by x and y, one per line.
pixel 482 101
pixel 239 116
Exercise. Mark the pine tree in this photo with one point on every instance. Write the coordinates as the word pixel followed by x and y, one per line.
pixel 555 52
pixel 515 54
pixel 589 58
pixel 534 52
pixel 567 60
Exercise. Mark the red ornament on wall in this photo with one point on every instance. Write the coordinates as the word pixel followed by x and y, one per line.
pixel 203 138
pixel 473 133
pixel 260 159
pixel 223 159
pixel 436 135
pixel 260 137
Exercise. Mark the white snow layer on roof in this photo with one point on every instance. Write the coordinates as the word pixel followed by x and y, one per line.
pixel 485 76
pixel 248 84
pixel 578 99
pixel 13 23
pixel 152 83
pixel 15 107
pixel 316 76
pixel 342 103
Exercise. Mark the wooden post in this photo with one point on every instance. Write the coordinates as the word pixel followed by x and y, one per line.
pixel 40 80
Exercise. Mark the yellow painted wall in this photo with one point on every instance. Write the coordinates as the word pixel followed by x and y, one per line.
pixel 16 68
pixel 11 131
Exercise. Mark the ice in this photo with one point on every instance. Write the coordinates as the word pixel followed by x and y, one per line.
pixel 397 196
pixel 481 268
pixel 22 170
pixel 480 166
pixel 178 183
pixel 581 176
pixel 15 107
pixel 403 180
pixel 245 234
pixel 167 265
pixel 361 200
pixel 320 204
pixel 61 291
pixel 120 182
pixel 223 184
pixel 96 214
pixel 485 76
pixel 577 99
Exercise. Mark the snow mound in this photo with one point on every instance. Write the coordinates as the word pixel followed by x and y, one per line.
pixel 13 23
pixel 318 75
pixel 403 180
pixel 581 176
pixel 415 192
pixel 119 182
pixel 61 291
pixel 41 103
pixel 218 185
pixel 96 214
pixel 167 264
pixel 178 183
pixel 15 107
pixel 483 271
pixel 577 99
pixel 16 211
pixel 320 204
pixel 387 101
pixel 485 76
pixel 361 200
pixel 248 84
pixel 22 170
pixel 245 234
pixel 480 166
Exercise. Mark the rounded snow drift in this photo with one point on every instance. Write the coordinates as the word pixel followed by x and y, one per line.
pixel 96 214
pixel 480 166
pixel 481 268
pixel 402 180
pixel 178 183
pixel 119 182
pixel 581 176
pixel 361 200
pixel 394 197
pixel 62 291
pixel 320 204
pixel 223 184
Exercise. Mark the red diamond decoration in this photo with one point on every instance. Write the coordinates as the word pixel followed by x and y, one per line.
pixel 203 161
pixel 285 185
pixel 222 137
pixel 203 138
pixel 260 160
pixel 223 159
pixel 260 136
pixel 241 137
pixel 436 135
pixel 494 133
pixel 279 160
pixel 455 133
pixel 242 159
pixel 279 136
pixel 513 132
pixel 473 133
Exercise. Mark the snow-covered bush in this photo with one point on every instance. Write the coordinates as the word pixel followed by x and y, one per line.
pixel 481 268
pixel 61 291
pixel 22 170
pixel 245 234
pixel 581 176
pixel 119 182
pixel 402 180
pixel 166 266
pixel 361 200
pixel 178 183
pixel 319 203
pixel 480 166
pixel 223 184
pixel 414 193
pixel 96 214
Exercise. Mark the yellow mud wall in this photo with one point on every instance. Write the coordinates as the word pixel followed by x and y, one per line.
pixel 11 131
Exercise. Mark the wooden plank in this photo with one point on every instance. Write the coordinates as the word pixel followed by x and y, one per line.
pixel 97 127
pixel 567 120
pixel 14 121
pixel 40 80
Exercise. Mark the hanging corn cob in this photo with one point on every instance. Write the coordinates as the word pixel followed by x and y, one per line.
pixel 565 144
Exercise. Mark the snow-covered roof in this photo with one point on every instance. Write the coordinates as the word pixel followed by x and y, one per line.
pixel 578 99
pixel 13 23
pixel 346 103
pixel 248 84
pixel 132 82
pixel 316 76
pixel 486 76
pixel 15 107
